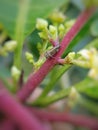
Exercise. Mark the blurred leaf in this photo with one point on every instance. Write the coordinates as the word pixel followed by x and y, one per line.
pixel 32 40
pixel 93 43
pixel 18 16
pixel 91 106
pixel 78 4
pixel 90 3
pixel 88 87
pixel 4 72
pixel 94 28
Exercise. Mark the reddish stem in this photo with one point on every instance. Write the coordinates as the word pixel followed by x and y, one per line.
pixel 35 79
pixel 6 124
pixel 54 42
pixel 78 120
pixel 17 113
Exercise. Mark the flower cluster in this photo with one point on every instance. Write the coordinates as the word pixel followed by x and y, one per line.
pixel 51 34
pixel 86 58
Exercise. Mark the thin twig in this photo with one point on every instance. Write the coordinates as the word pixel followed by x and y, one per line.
pixel 78 120
pixel 16 112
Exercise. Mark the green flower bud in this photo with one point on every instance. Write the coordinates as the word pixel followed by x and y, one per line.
pixel 15 72
pixel 41 24
pixel 85 54
pixel 53 31
pixel 43 35
pixel 61 28
pixel 69 58
pixel 39 63
pixel 73 94
pixel 10 46
pixel 39 46
pixel 69 23
pixel 93 73
pixel 73 97
pixel 57 17
pixel 29 57
pixel 93 64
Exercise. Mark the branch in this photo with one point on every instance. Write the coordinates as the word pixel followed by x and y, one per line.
pixel 78 120
pixel 6 124
pixel 16 112
pixel 35 79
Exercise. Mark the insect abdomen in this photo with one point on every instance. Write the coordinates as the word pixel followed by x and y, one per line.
pixel 52 51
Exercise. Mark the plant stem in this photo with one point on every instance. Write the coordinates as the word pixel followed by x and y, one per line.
pixel 45 101
pixel 50 85
pixel 16 112
pixel 35 79
pixel 78 120
pixel 80 87
pixel 19 35
pixel 6 124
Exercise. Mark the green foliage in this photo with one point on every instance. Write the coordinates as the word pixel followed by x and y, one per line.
pixel 94 28
pixel 19 17
pixel 89 3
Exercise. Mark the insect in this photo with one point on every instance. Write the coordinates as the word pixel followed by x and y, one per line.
pixel 52 51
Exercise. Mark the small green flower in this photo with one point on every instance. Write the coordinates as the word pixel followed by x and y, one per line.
pixel 69 23
pixel 61 30
pixel 29 57
pixel 73 97
pixel 69 58
pixel 57 17
pixel 43 35
pixel 41 24
pixel 73 93
pixel 10 46
pixel 39 63
pixel 53 32
pixel 15 72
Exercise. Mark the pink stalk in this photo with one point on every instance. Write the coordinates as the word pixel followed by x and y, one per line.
pixel 35 79
pixel 78 120
pixel 54 42
pixel 6 124
pixel 16 112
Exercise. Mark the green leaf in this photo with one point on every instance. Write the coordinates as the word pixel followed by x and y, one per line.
pixel 91 106
pixel 32 41
pixel 78 4
pixel 19 16
pixel 88 87
pixel 92 44
pixel 94 28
